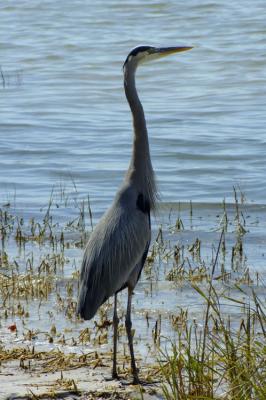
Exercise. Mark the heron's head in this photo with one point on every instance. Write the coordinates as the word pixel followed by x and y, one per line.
pixel 141 54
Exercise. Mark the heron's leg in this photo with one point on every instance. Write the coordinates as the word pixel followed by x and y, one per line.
pixel 130 338
pixel 115 325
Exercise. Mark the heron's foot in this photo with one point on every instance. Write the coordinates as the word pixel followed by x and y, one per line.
pixel 114 377
pixel 142 382
pixel 136 381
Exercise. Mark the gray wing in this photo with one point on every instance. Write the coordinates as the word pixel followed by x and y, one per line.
pixel 135 274
pixel 114 250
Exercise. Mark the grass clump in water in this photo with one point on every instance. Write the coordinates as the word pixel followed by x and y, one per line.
pixel 223 358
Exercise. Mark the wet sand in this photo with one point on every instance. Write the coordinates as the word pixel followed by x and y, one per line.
pixel 81 383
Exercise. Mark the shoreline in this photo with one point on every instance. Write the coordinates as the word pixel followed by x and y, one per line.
pixel 27 377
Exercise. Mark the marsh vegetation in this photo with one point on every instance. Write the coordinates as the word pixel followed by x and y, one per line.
pixel 199 309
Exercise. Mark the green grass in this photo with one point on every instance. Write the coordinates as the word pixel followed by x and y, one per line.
pixel 222 359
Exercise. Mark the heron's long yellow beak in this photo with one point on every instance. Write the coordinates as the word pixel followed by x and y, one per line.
pixel 166 51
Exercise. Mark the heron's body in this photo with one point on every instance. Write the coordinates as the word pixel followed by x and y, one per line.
pixel 118 246
pixel 115 249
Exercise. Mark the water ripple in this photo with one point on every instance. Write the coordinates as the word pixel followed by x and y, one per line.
pixel 63 111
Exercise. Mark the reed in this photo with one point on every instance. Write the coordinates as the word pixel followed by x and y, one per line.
pixel 220 359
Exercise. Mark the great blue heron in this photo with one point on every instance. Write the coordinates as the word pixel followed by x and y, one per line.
pixel 118 246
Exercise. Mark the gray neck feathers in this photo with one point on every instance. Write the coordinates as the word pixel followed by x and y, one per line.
pixel 140 172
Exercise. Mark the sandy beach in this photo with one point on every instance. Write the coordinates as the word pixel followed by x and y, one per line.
pixel 80 383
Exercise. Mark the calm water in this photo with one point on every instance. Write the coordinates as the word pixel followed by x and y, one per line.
pixel 64 116
pixel 65 122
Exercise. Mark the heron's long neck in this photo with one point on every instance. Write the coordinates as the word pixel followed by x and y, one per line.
pixel 140 171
